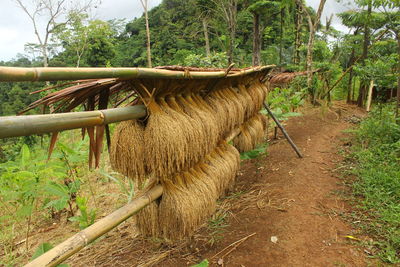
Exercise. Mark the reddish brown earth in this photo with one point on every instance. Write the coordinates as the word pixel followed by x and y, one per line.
pixel 280 195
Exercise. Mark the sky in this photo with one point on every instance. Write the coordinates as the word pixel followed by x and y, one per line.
pixel 16 29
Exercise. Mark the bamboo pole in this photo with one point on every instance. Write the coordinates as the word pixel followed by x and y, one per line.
pixel 14 126
pixel 10 74
pixel 283 131
pixel 78 241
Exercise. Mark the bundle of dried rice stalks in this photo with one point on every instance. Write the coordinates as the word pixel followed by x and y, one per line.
pixel 252 134
pixel 190 196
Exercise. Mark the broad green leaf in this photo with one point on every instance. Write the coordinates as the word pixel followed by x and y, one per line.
pixel 57 204
pixel 57 189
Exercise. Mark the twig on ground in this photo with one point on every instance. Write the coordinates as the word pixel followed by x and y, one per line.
pixel 234 245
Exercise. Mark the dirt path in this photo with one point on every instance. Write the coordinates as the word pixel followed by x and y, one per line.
pixel 308 232
pixel 279 196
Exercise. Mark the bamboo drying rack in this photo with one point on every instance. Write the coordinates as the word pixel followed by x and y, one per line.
pixel 14 126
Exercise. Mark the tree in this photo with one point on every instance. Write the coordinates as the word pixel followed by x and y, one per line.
pixel 146 17
pixel 391 11
pixel 205 16
pixel 228 9
pixel 101 48
pixel 53 12
pixel 74 36
pixel 312 24
pixel 257 9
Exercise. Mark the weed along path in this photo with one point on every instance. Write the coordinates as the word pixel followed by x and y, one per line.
pixel 282 212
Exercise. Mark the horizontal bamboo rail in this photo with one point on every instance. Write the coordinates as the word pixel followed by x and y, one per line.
pixel 75 243
pixel 14 126
pixel 15 74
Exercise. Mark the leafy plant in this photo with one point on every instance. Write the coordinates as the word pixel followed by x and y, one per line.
pixel 86 216
pixel 127 190
pixel 217 225
pixel 255 153
pixel 64 194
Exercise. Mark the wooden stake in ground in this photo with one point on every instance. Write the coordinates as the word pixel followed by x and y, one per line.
pixel 283 131
pixel 371 86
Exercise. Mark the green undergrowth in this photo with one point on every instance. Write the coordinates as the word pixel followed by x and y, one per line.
pixel 376 158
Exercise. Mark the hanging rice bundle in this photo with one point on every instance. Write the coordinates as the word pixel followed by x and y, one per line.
pixel 256 130
pixel 236 105
pixel 250 107
pixel 147 220
pixel 195 135
pixel 227 112
pixel 252 134
pixel 208 126
pixel 264 121
pixel 243 141
pixel 127 151
pixel 190 197
pixel 165 143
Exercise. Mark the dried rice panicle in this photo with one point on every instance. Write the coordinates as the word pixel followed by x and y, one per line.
pixel 184 208
pixel 208 127
pixel 243 141
pixel 147 219
pixel 225 112
pixel 235 102
pixel 258 125
pixel 196 135
pixel 208 119
pixel 127 150
pixel 250 107
pixel 165 143
pixel 193 137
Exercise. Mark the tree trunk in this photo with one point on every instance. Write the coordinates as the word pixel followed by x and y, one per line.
pixel 232 35
pixel 144 4
pixel 313 27
pixel 363 84
pixel 45 56
pixel 349 85
pixel 281 37
pixel 351 62
pixel 206 38
pixel 297 43
pixel 256 40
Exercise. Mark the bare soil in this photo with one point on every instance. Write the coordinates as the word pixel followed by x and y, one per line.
pixel 283 211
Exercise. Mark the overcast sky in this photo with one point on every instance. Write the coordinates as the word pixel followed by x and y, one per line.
pixel 16 29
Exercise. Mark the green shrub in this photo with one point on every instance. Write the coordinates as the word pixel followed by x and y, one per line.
pixel 377 154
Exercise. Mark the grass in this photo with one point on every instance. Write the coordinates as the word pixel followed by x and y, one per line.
pixel 376 189
pixel 217 225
